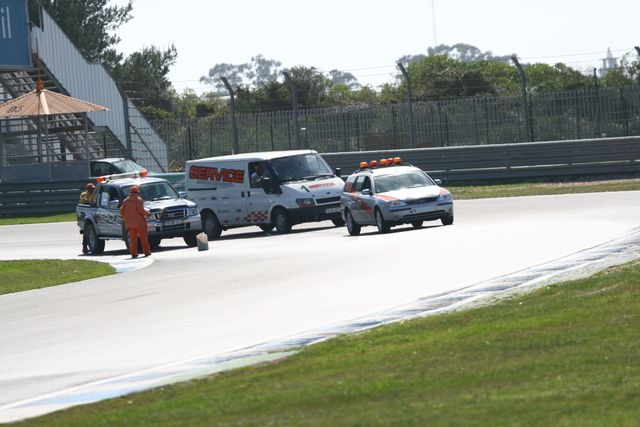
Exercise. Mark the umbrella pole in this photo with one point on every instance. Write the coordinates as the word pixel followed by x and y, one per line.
pixel 39 138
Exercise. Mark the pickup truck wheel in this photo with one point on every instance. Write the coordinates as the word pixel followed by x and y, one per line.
pixel 266 227
pixel 96 246
pixel 282 221
pixel 211 225
pixel 191 240
pixel 154 243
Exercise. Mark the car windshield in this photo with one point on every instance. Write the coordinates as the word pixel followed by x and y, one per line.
pixel 155 191
pixel 300 167
pixel 127 166
pixel 415 179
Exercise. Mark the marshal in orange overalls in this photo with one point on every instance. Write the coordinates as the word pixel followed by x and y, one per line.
pixel 135 221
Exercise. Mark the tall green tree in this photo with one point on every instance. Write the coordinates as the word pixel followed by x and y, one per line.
pixel 143 76
pixel 91 25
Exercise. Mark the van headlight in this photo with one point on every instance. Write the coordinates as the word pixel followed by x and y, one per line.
pixel 306 203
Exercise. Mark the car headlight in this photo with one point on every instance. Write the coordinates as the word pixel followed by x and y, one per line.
pixel 444 197
pixel 192 211
pixel 397 204
pixel 305 203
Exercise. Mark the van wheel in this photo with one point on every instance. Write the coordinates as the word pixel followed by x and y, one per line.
pixel 266 227
pixel 211 225
pixel 338 222
pixel 282 221
pixel 383 226
pixel 96 246
pixel 352 226
pixel 191 240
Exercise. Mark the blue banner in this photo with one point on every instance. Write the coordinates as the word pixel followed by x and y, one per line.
pixel 14 34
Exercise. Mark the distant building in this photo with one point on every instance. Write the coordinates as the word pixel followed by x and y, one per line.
pixel 609 63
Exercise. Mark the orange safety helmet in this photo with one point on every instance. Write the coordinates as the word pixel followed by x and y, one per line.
pixel 90 187
pixel 134 189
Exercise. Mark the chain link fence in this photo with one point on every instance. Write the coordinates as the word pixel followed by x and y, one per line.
pixel 554 116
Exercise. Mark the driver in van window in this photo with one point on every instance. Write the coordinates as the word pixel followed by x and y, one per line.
pixel 257 174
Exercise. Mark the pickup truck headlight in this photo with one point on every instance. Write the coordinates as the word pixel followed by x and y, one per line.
pixel 192 211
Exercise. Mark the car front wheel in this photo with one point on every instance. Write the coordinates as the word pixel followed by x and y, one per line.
pixel 447 220
pixel 383 226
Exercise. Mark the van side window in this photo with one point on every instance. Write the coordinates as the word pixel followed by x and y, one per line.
pixel 257 172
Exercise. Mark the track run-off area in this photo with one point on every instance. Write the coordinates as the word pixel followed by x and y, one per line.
pixel 105 337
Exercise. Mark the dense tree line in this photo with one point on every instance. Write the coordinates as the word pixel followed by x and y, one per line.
pixel 444 72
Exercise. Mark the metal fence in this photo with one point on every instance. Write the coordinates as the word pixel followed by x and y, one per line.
pixel 555 116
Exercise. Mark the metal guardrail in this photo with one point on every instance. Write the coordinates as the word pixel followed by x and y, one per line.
pixel 451 164
pixel 510 161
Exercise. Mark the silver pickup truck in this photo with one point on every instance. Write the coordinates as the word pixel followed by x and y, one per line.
pixel 170 215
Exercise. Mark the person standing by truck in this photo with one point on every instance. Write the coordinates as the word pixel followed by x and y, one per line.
pixel 87 197
pixel 135 222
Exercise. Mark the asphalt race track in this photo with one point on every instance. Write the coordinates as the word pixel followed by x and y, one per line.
pixel 249 287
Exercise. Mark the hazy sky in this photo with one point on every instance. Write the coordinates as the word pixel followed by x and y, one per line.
pixel 366 37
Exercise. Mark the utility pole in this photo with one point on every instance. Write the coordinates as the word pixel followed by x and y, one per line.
pixel 234 126
pixel 412 131
pixel 294 96
pixel 523 91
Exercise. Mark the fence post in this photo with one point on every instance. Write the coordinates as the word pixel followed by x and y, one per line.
pixel 294 96
pixel 523 92
pixel 412 132
pixel 234 125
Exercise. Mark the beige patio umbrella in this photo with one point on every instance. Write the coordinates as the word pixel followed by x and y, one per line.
pixel 43 102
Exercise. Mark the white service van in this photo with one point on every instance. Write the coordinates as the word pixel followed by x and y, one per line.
pixel 270 189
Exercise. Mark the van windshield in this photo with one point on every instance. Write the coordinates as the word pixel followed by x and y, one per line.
pixel 300 167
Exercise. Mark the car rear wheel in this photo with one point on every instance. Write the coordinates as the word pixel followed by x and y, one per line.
pixel 447 220
pixel 352 226
pixel 282 221
pixel 211 225
pixel 417 224
pixel 383 226
pixel 96 246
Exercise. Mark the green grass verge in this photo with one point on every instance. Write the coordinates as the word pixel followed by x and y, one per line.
pixel 541 188
pixel 565 355
pixel 36 219
pixel 17 276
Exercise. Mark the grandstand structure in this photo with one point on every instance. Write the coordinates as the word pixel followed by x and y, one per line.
pixel 59 147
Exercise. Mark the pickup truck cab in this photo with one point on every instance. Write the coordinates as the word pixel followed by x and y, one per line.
pixel 170 215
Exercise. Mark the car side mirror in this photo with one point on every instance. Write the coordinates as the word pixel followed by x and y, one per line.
pixel 113 204
pixel 366 192
pixel 438 181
